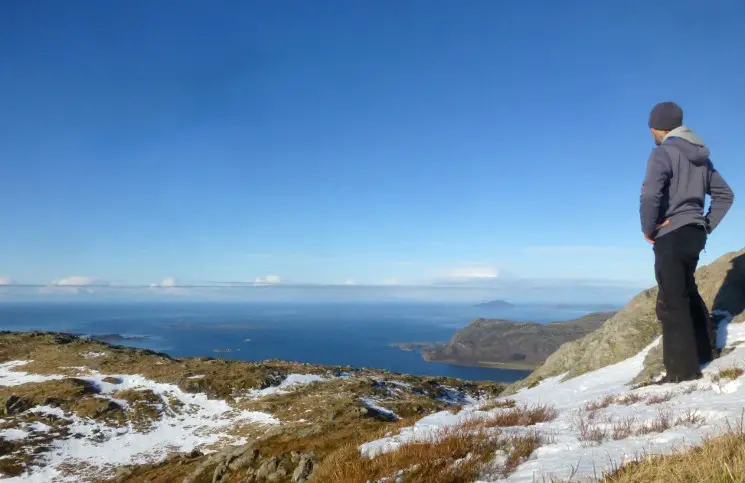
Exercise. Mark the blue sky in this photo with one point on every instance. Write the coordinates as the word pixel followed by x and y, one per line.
pixel 335 142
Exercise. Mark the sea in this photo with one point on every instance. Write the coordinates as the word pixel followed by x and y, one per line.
pixel 353 334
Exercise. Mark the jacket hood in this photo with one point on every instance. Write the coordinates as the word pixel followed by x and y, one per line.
pixel 689 144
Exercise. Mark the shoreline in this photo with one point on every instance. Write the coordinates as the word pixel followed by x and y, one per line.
pixel 423 349
pixel 515 366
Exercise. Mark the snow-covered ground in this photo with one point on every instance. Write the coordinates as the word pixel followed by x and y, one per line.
pixel 9 376
pixel 196 421
pixel 286 385
pixel 696 409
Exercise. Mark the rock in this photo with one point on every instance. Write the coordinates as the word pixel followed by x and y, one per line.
pixel 191 385
pixel 112 406
pixel 63 338
pixel 303 470
pixel 122 474
pixel 14 405
pixel 86 387
pixel 272 380
pixel 112 380
pixel 6 447
pixel 51 401
pixel 271 470
pixel 203 469
pixel 245 459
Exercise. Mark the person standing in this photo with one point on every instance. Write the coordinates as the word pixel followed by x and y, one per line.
pixel 678 177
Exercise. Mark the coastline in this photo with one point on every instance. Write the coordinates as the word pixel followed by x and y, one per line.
pixel 515 366
pixel 424 348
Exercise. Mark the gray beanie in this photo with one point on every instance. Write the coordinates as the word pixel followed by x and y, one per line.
pixel 666 116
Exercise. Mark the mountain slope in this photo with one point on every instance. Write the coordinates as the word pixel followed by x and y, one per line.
pixel 494 342
pixel 722 286
pixel 599 423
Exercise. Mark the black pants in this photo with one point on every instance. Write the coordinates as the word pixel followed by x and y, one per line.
pixel 686 325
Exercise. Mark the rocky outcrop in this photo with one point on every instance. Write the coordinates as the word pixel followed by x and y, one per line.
pixel 722 286
pixel 487 342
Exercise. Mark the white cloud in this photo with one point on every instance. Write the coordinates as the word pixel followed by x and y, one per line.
pixel 6 281
pixel 391 281
pixel 168 286
pixel 350 281
pixel 268 280
pixel 77 281
pixel 75 284
pixel 473 272
pixel 166 282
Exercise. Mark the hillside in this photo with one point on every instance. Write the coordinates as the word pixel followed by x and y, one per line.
pixel 486 342
pixel 588 427
pixel 82 410
pixel 722 286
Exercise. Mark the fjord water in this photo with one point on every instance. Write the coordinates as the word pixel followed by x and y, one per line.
pixel 354 334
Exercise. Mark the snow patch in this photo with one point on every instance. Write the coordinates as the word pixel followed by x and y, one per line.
pixel 10 377
pixel 372 405
pixel 13 434
pixel 39 427
pixel 195 422
pixel 285 385
pixel 92 355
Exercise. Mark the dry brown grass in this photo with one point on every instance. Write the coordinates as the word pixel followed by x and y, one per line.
pixel 717 460
pixel 692 389
pixel 520 416
pixel 495 404
pixel 623 428
pixel 660 398
pixel 629 399
pixel 602 404
pixel 427 461
pixel 691 417
pixel 589 432
pixel 660 424
pixel 454 455
pixel 521 447
pixel 731 373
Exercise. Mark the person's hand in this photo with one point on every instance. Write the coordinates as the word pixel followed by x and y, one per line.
pixel 649 236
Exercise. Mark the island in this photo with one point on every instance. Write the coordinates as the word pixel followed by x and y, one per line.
pixel 505 344
pixel 117 338
pixel 415 346
pixel 496 304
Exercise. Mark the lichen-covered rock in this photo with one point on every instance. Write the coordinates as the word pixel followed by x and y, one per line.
pixel 15 405
pixel 303 470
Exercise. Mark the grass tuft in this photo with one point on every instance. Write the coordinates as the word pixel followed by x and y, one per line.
pixel 660 424
pixel 731 373
pixel 496 404
pixel 453 455
pixel 717 460
pixel 660 398
pixel 623 428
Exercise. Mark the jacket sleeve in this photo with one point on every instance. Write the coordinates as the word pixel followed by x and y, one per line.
pixel 722 198
pixel 659 171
